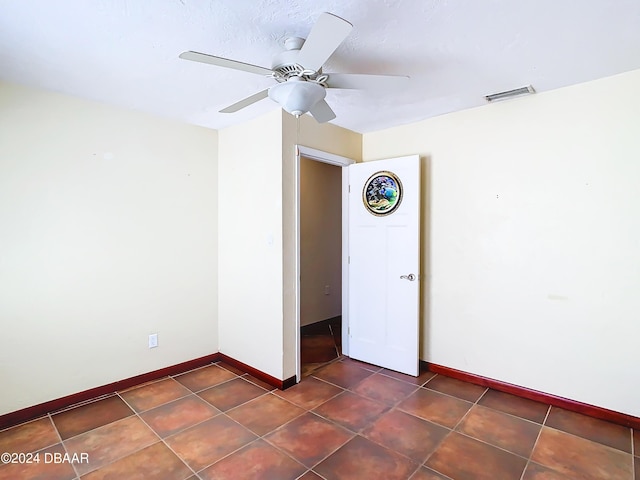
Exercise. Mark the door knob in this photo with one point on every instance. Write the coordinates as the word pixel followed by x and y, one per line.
pixel 411 277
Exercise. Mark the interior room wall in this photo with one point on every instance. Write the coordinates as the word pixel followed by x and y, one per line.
pixel 108 233
pixel 250 242
pixel 531 236
pixel 320 241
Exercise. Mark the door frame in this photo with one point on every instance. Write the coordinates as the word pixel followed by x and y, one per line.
pixel 340 161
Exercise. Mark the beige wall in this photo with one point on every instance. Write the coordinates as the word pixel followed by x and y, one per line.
pixel 250 243
pixel 107 234
pixel 531 239
pixel 320 241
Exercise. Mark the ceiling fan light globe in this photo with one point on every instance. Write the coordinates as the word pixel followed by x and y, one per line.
pixel 297 96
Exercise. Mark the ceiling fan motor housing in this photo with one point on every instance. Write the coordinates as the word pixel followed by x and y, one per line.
pixel 285 64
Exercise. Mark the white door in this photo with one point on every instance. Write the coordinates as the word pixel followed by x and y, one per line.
pixel 384 263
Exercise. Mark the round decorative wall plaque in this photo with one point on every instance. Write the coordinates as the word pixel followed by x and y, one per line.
pixel 382 193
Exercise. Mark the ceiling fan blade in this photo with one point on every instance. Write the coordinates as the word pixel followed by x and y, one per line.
pixel 225 62
pixel 245 102
pixel 322 112
pixel 364 81
pixel 325 36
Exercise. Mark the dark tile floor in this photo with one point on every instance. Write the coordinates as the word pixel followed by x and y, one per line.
pixel 345 420
pixel 320 344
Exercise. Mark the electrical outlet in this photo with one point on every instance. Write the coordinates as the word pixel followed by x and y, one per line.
pixel 327 290
pixel 153 340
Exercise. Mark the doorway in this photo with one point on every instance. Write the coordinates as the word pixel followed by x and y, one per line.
pixel 320 264
pixel 322 216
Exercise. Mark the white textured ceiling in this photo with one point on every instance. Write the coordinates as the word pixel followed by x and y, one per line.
pixel 125 52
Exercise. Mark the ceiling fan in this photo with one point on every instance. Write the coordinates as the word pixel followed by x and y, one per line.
pixel 301 83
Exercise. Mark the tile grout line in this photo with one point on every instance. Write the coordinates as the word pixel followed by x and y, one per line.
pixel 48 415
pixel 227 381
pixel 603 445
pixel 124 456
pixel 321 403
pixel 386 410
pixel 437 471
pixel 418 467
pixel 492 408
pixel 135 412
pixel 326 381
pixel 377 371
pixel 335 344
pixel 486 390
pixel 79 404
pixel 330 383
pixel 382 372
pixel 513 415
pixel 157 435
pixel 262 437
pixel 143 384
pixel 390 408
pixel 452 396
pixel 62 443
pixel 247 378
pixel 427 381
pixel 494 446
pixel 424 463
pixel 191 392
pixel 241 404
pixel 320 366
pixel 193 472
pixel 332 422
pixel 321 476
pixel 323 458
pixel 162 440
pixel 230 453
pixel 453 429
pixel 536 442
pixel 93 400
pixel 358 363
pixel 194 370
pixel 186 428
pixel 93 429
pixel 179 458
pixel 220 412
pixel 210 386
pixel 341 427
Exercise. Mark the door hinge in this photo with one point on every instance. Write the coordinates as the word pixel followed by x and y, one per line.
pixel 349 188
pixel 349 259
